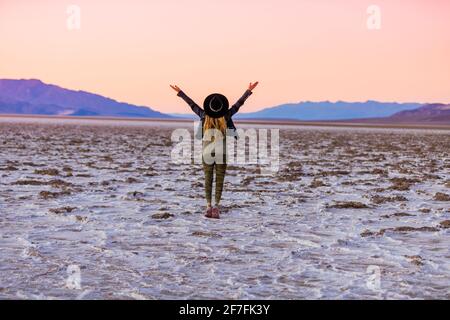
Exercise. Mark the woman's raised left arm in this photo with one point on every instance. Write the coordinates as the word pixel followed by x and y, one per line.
pixel 235 108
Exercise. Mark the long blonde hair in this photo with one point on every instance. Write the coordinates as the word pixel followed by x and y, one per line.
pixel 215 123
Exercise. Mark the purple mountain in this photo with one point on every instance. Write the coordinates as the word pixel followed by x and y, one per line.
pixel 35 97
pixel 428 113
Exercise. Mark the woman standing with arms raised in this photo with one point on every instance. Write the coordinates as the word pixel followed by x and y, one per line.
pixel 216 117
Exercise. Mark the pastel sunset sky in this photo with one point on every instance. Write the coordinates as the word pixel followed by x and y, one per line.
pixel 299 50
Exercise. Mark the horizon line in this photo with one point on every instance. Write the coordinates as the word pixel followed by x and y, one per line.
pixel 258 110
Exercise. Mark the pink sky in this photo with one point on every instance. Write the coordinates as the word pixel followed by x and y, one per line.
pixel 298 50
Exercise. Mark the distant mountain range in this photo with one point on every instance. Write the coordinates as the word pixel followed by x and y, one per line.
pixel 35 97
pixel 331 110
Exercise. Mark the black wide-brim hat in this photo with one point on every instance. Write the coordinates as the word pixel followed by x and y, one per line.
pixel 216 105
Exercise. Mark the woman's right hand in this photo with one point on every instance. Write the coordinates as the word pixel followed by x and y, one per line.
pixel 176 88
pixel 252 86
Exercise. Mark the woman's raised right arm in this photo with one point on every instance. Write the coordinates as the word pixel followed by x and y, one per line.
pixel 197 110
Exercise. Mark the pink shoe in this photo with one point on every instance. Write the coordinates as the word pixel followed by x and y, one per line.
pixel 208 213
pixel 215 213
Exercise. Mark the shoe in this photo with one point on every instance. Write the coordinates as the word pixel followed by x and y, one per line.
pixel 208 213
pixel 215 213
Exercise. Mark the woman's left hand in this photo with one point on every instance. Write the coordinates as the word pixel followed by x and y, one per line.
pixel 176 88
pixel 252 86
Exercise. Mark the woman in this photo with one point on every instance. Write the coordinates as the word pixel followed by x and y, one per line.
pixel 216 122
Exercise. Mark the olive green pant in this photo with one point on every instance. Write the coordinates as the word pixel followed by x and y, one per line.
pixel 209 176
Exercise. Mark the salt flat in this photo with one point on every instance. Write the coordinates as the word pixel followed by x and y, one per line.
pixel 103 197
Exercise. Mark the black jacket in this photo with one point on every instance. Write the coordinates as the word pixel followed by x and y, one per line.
pixel 201 113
